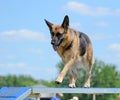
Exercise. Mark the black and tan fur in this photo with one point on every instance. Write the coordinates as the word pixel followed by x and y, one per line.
pixel 74 48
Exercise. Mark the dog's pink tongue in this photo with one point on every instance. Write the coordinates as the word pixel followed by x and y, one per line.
pixel 55 48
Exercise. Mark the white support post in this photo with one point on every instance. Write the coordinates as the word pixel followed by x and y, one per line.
pixel 94 96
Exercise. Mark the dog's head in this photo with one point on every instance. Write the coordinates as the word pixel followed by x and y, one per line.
pixel 58 32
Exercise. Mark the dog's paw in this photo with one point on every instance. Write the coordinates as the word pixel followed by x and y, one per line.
pixel 57 82
pixel 72 85
pixel 86 86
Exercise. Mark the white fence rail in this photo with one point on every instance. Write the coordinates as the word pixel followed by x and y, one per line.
pixel 77 90
pixel 93 91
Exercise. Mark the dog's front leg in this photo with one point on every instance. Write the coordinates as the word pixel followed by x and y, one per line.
pixel 64 71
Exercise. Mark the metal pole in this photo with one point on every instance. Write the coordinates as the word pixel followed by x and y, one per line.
pixel 94 96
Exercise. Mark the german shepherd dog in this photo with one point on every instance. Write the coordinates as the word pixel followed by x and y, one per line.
pixel 74 48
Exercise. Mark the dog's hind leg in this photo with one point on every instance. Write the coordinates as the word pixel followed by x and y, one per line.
pixel 88 76
pixel 73 77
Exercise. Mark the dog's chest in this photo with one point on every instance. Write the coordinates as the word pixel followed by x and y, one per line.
pixel 66 56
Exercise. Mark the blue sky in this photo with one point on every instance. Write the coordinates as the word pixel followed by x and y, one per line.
pixel 25 40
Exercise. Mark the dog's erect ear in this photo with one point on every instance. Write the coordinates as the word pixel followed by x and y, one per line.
pixel 65 23
pixel 49 24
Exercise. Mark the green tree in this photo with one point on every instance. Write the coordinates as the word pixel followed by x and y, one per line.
pixel 103 75
pixel 13 80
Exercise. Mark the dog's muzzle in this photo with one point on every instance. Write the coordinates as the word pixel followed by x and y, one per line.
pixel 56 44
pixel 53 42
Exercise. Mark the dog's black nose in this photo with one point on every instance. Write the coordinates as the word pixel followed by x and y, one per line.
pixel 53 42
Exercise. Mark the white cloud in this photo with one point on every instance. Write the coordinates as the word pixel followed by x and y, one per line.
pixel 76 25
pixel 13 65
pixel 21 68
pixel 104 36
pixel 85 9
pixel 114 47
pixel 100 36
pixel 102 24
pixel 35 51
pixel 118 35
pixel 111 54
pixel 16 35
pixel 7 57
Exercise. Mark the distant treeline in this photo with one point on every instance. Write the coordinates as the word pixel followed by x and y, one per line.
pixel 14 80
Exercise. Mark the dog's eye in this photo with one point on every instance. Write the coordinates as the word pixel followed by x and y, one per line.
pixel 59 35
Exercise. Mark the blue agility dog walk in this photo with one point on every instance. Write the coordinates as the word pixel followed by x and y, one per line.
pixel 14 93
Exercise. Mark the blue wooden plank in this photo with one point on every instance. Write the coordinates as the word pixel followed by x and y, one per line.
pixel 3 89
pixel 22 91
pixel 13 92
